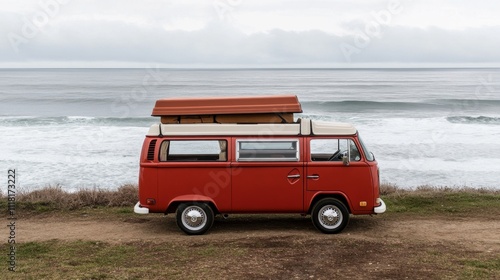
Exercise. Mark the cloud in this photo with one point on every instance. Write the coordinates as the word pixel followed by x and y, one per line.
pixel 431 45
pixel 206 40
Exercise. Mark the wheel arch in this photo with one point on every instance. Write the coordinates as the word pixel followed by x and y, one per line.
pixel 339 196
pixel 174 203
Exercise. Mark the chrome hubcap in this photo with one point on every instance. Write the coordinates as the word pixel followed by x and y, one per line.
pixel 194 218
pixel 330 216
pixel 195 215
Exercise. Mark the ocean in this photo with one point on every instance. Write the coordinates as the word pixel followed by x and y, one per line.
pixel 83 128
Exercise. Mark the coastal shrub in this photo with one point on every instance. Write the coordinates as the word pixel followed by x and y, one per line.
pixel 55 197
pixel 126 195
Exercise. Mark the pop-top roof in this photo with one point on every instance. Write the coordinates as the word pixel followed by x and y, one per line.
pixel 303 127
pixel 227 105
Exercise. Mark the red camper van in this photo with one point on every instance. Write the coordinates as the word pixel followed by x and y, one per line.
pixel 227 155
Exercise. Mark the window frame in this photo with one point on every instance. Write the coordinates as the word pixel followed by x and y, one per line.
pixel 368 154
pixel 167 152
pixel 268 159
pixel 348 139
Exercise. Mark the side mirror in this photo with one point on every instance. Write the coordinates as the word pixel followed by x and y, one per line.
pixel 373 156
pixel 345 160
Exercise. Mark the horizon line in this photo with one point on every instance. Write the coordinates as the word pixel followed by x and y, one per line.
pixel 265 68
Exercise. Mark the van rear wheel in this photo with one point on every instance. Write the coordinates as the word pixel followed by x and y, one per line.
pixel 330 215
pixel 195 218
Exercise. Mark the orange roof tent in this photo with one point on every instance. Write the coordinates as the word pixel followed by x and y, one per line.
pixel 234 109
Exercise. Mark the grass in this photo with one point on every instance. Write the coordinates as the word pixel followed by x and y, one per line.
pixel 199 259
pixel 440 200
pixel 480 269
pixel 99 260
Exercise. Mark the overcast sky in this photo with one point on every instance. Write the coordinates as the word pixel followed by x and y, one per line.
pixel 249 33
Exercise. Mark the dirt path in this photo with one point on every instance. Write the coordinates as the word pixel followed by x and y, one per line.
pixel 473 234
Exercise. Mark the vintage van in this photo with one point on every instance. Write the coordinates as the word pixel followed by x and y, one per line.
pixel 228 155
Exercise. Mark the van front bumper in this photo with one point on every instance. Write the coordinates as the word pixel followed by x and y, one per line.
pixel 381 208
pixel 138 209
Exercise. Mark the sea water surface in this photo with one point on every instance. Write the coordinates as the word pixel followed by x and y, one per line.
pixel 83 128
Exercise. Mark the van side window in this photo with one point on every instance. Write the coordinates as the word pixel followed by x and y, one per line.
pixel 267 150
pixel 333 150
pixel 193 150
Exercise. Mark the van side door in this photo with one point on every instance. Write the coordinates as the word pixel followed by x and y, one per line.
pixel 267 175
pixel 329 172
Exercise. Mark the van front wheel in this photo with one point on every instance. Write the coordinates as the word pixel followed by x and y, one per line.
pixel 330 215
pixel 195 218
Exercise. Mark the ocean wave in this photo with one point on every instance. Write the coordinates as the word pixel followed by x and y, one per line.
pixel 430 104
pixel 76 120
pixel 356 105
pixel 473 120
pixel 471 103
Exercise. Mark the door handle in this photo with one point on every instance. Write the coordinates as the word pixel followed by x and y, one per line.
pixel 294 176
pixel 315 176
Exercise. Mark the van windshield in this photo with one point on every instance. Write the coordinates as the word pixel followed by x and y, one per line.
pixel 369 156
